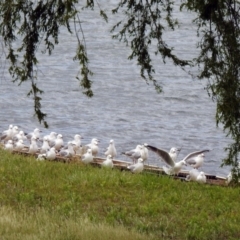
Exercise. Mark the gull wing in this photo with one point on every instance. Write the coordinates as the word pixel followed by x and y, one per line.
pixel 3 136
pixel 192 155
pixel 129 153
pixel 163 154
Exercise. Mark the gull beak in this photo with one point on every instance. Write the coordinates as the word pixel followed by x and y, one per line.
pixel 179 149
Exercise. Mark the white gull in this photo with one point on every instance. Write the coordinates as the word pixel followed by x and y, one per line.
pixel 111 149
pixel 196 159
pixel 69 152
pixel 7 134
pixel 137 167
pixel 33 147
pixel 78 144
pixel 108 163
pixel 94 146
pixel 135 153
pixel 51 153
pixel 36 133
pixel 196 176
pixel 19 145
pixel 21 135
pixel 59 142
pixel 45 146
pixel 87 157
pixel 9 145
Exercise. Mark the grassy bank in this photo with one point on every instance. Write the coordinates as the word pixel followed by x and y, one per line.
pixel 52 200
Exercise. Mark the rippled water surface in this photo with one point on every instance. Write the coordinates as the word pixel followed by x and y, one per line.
pixel 124 107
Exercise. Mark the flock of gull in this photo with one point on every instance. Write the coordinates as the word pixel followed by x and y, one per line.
pixel 51 146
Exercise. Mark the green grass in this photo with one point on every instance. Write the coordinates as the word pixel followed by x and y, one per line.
pixel 53 200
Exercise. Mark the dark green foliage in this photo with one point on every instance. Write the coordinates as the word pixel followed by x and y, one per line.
pixel 144 25
pixel 32 23
pixel 219 28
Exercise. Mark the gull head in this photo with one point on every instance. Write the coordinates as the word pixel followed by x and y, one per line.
pixel 140 147
pixel 59 136
pixel 15 128
pixel 78 137
pixel 174 150
pixel 37 130
pixel 53 149
pixel 34 138
pixel 89 151
pixel 45 138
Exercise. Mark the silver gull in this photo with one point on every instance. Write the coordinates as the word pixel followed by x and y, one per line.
pixel 87 157
pixel 108 163
pixel 137 167
pixel 111 149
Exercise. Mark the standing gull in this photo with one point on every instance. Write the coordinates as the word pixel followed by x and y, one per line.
pixel 33 148
pixel 230 175
pixel 69 152
pixel 137 167
pixel 196 161
pixel 78 144
pixel 201 178
pixel 51 138
pixel 45 146
pixel 36 133
pixel 135 153
pixel 7 134
pixel 51 153
pixel 108 163
pixel 15 131
pixel 58 144
pixel 19 145
pixel 111 149
pixel 94 146
pixel 9 145
pixel 87 157
pixel 20 135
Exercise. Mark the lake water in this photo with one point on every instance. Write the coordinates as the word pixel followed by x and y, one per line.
pixel 124 107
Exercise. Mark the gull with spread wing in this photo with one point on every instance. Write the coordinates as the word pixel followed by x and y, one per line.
pixel 175 167
pixel 196 159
